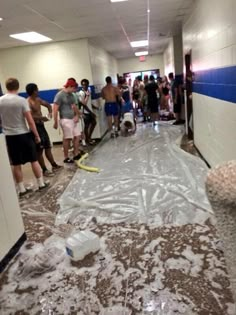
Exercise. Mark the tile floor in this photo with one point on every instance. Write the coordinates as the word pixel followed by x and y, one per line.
pixel 168 264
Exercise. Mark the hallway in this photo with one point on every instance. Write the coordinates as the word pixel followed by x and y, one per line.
pixel 157 232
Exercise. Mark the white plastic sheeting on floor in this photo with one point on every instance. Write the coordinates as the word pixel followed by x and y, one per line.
pixel 144 178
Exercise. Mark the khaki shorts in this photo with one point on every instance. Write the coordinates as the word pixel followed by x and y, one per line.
pixel 70 128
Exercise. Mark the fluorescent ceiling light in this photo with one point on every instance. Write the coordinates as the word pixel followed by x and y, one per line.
pixel 1 19
pixel 140 43
pixel 118 0
pixel 31 37
pixel 141 53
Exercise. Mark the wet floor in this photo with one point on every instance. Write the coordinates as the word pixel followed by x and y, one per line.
pixel 158 239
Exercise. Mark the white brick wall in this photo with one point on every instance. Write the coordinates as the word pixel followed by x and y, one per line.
pixel 169 58
pixel 133 64
pixel 102 65
pixel 210 34
pixel 47 65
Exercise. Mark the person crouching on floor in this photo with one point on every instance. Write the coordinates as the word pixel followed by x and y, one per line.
pixel 128 124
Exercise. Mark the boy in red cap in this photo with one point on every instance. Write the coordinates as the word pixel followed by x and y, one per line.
pixel 64 103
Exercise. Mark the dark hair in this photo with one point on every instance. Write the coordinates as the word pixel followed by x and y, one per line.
pixel 151 77
pixel 31 88
pixel 108 80
pixel 171 75
pixel 71 79
pixel 85 81
pixel 128 124
pixel 12 84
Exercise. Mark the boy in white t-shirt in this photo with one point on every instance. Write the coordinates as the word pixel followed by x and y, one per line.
pixel 89 117
pixel 15 114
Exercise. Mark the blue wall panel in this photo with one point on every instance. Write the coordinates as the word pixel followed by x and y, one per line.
pixel 48 95
pixel 217 83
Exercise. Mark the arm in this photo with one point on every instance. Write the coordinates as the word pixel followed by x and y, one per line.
pixel 46 104
pixel 102 94
pixel 176 95
pixel 55 115
pixel 84 100
pixel 77 112
pixel 118 94
pixel 32 126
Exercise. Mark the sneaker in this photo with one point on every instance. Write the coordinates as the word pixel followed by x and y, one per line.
pixel 68 161
pixel 116 134
pixel 112 135
pixel 77 157
pixel 56 167
pixel 46 184
pixel 84 143
pixel 48 173
pixel 27 190
pixel 91 142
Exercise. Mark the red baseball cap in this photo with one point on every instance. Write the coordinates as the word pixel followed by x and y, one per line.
pixel 71 83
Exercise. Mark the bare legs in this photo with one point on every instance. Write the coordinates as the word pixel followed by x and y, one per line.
pixel 66 146
pixel 88 130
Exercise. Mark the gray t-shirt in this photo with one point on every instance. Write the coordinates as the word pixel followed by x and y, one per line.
pixel 12 109
pixel 65 101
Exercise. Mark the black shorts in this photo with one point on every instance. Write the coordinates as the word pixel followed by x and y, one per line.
pixel 177 106
pixel 45 141
pixel 21 149
pixel 153 105
pixel 89 119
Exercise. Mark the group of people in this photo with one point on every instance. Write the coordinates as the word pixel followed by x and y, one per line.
pixel 155 98
pixel 27 138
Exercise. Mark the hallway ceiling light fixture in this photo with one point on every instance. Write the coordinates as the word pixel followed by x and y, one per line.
pixel 139 43
pixel 1 19
pixel 118 0
pixel 31 37
pixel 141 53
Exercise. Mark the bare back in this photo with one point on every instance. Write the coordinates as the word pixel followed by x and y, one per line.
pixel 110 93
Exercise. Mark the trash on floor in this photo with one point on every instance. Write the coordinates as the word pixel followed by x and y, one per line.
pixel 80 244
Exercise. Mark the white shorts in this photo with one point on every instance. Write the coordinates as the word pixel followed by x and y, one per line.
pixel 70 128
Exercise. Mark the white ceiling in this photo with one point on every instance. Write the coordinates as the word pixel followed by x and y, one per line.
pixel 109 25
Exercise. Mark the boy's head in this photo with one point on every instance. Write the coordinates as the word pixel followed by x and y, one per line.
pixel 128 125
pixel 171 76
pixel 108 80
pixel 85 84
pixel 31 89
pixel 71 85
pixel 12 84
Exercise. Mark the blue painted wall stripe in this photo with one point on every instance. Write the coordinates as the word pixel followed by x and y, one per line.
pixel 217 83
pixel 48 95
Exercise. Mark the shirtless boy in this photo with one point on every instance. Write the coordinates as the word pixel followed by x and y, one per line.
pixel 35 106
pixel 111 93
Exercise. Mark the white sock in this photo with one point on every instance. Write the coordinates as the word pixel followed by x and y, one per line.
pixel 21 187
pixel 40 181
